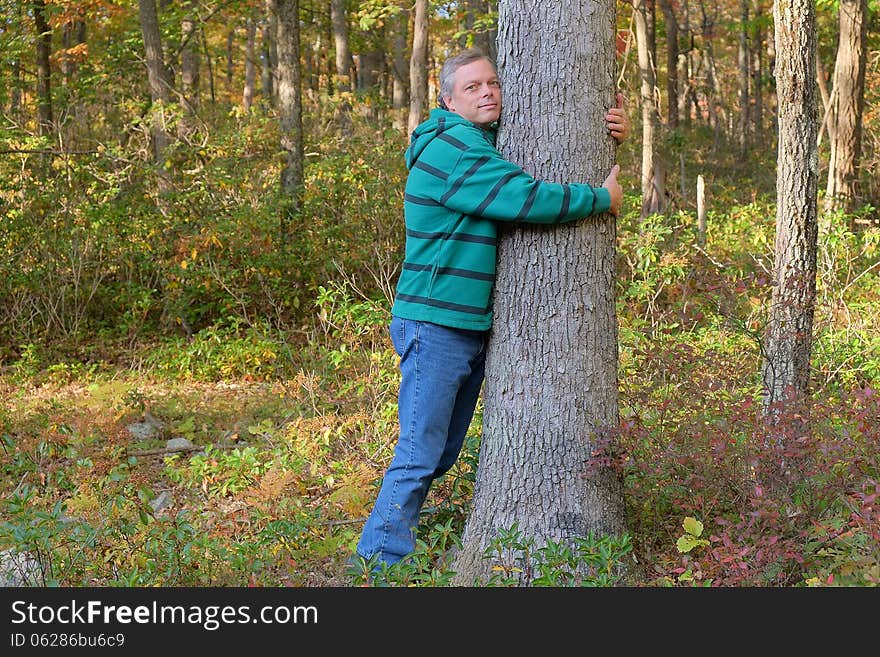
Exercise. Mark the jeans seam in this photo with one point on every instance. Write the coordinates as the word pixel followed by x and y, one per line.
pixel 411 432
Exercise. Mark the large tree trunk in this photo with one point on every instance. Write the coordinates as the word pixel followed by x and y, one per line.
pixel 418 67
pixel 289 102
pixel 551 386
pixel 849 97
pixel 786 367
pixel 44 71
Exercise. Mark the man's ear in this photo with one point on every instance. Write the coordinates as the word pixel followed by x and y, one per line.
pixel 445 101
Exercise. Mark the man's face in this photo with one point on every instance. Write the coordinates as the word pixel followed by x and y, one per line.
pixel 476 93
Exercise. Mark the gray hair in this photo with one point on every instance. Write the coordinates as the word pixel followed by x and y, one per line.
pixel 451 65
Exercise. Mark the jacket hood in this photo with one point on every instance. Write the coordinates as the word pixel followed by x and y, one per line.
pixel 439 121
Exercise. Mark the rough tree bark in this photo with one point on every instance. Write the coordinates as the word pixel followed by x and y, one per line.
pixel 788 344
pixel 849 100
pixel 550 394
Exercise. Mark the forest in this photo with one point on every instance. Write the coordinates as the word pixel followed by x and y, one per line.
pixel 201 233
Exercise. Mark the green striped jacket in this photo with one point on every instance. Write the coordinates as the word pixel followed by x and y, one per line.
pixel 458 187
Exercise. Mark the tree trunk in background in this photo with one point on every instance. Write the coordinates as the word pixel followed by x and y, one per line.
pixel 160 83
pixel 713 102
pixel 230 56
pixel 651 197
pixel 418 67
pixel 550 395
pixel 270 54
pixel 477 12
pixel 671 64
pixel 371 65
pixel 689 101
pixel 786 366
pixel 45 118
pixel 208 65
pixel 344 64
pixel 828 123
pixel 745 75
pixel 400 68
pixel 289 103
pixel 849 99
pixel 73 34
pixel 189 58
pixel 758 73
pixel 250 69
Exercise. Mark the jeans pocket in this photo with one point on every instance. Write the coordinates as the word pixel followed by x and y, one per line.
pixel 397 331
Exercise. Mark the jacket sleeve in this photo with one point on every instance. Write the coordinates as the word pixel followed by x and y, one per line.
pixel 483 183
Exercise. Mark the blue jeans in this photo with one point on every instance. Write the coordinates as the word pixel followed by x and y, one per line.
pixel 441 374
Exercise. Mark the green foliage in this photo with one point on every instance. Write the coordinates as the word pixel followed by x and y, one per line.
pixel 586 561
pixel 224 351
pixel 693 529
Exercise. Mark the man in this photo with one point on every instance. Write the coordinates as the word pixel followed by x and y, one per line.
pixel 458 188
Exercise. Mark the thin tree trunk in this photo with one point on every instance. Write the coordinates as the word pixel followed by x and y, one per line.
pixel 230 60
pixel 651 199
pixel 160 84
pixel 786 366
pixel 344 63
pixel 418 67
pixel 828 122
pixel 551 370
pixel 73 34
pixel 45 118
pixel 849 94
pixel 250 69
pixel 289 104
pixel 189 60
pixel 400 69
pixel 745 75
pixel 671 64
pixel 209 66
pixel 758 72
pixel 270 54
pixel 484 38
